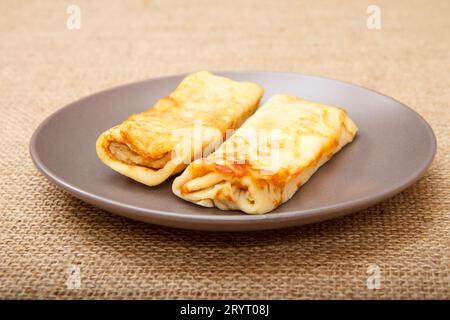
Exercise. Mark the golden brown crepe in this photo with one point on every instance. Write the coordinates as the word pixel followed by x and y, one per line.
pixel 155 144
pixel 295 137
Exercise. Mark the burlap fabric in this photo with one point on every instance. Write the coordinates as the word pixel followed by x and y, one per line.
pixel 44 231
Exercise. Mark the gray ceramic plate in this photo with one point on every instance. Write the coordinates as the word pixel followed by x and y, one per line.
pixel 393 149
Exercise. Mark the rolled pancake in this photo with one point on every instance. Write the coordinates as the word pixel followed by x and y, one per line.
pixel 294 138
pixel 151 146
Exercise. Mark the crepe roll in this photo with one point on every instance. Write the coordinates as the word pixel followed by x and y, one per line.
pixel 151 146
pixel 268 158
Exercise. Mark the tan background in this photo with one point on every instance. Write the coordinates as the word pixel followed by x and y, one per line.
pixel 44 66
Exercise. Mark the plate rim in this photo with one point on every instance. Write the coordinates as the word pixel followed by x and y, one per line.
pixel 347 206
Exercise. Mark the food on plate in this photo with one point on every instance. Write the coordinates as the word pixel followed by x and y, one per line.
pixel 151 146
pixel 268 158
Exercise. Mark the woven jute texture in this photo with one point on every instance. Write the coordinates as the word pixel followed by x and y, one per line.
pixel 45 234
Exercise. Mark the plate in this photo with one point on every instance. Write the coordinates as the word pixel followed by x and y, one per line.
pixel 393 149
